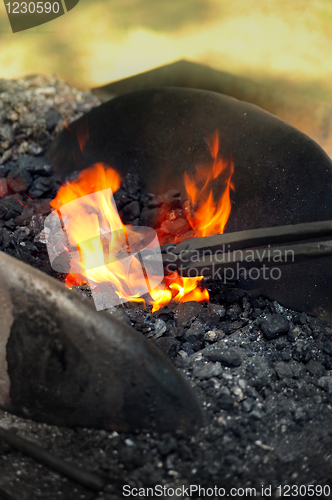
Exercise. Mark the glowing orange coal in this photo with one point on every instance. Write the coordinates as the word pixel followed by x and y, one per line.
pixel 206 216
pixel 91 218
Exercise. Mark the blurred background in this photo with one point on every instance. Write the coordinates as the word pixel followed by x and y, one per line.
pixel 282 42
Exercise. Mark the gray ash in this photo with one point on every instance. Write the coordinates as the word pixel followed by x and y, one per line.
pixel 263 373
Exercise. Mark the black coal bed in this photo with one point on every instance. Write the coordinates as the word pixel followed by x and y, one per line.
pixel 261 371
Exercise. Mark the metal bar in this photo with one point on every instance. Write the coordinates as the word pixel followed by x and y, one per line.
pixel 5 495
pixel 249 248
pixel 81 476
pixel 270 256
pixel 251 238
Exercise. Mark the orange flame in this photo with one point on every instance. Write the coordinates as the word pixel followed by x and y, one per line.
pixel 96 178
pixel 205 216
pixel 178 289
pixel 93 217
pixel 88 221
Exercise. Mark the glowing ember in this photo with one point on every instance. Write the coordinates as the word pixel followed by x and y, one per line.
pixel 90 220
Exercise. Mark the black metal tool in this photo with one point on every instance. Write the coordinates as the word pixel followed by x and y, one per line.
pixel 250 248
pixel 5 495
pixel 81 476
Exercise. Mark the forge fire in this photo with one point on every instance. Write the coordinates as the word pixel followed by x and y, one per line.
pixel 94 226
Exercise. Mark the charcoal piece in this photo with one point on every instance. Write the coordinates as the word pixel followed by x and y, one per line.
pixel 193 342
pixel 286 356
pixel 328 364
pixel 247 404
pixel 121 198
pixel 327 347
pixel 187 348
pixel 135 222
pixel 302 352
pixel 168 346
pixel 233 312
pixel 317 326
pixel 216 309
pixel 229 357
pixel 197 330
pixel 10 208
pixel 131 458
pixel 6 238
pixel 170 323
pixel 145 198
pixel 294 333
pixel 209 320
pixel 231 326
pixel 41 186
pixel 34 165
pixel 300 416
pixel 42 207
pixel 159 328
pixel 4 170
pixel 315 368
pixel 186 313
pixel 21 234
pixel 149 217
pixel 259 302
pixel 262 379
pixel 274 325
pixel 283 369
pixel 207 371
pixel 18 180
pixel 326 383
pixel 42 169
pixel 298 369
pixel 165 312
pixel 303 318
pixel 130 212
pixel 52 118
pixel 281 343
pixel 225 402
pixel 175 331
pixel 167 445
pixel 10 224
pixel 24 218
pixel 133 184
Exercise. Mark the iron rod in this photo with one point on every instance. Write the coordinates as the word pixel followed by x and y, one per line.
pixel 81 476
